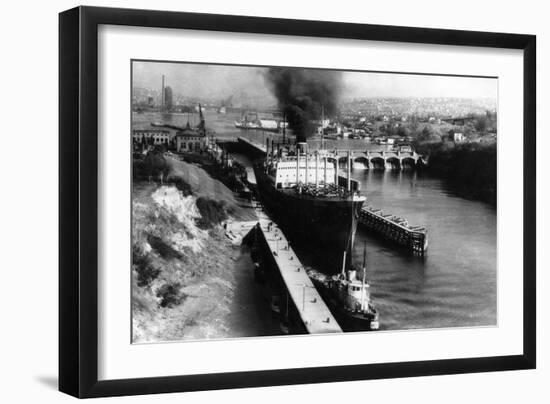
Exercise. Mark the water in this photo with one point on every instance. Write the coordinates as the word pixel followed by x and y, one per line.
pixel 454 285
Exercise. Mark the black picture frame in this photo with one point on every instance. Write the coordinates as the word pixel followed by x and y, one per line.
pixel 78 200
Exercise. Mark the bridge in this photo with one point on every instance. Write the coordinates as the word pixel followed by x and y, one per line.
pixel 394 159
pixel 377 159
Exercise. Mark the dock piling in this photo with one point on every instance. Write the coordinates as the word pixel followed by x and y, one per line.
pixel 395 229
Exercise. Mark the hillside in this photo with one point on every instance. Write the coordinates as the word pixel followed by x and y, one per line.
pixel 186 273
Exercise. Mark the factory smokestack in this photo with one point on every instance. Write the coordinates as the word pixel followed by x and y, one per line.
pixel 162 93
pixel 303 93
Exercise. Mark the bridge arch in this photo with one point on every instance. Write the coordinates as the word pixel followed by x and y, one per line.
pixel 343 161
pixel 361 163
pixel 377 163
pixel 408 163
pixel 393 163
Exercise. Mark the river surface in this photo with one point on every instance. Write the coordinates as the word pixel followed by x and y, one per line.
pixel 455 285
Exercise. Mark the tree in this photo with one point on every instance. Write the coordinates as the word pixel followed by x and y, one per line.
pixel 403 131
pixel 425 134
pixel 429 135
pixel 481 124
pixel 155 165
pixel 413 123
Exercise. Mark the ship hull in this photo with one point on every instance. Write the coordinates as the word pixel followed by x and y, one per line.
pixel 310 221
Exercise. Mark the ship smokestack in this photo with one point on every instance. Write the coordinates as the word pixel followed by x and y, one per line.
pixel 297 165
pixel 349 170
pixel 307 165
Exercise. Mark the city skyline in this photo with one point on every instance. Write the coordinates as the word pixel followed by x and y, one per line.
pixel 223 81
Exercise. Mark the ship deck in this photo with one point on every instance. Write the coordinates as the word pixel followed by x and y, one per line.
pixel 329 193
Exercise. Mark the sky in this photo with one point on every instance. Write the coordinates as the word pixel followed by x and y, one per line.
pixel 221 81
pixel 415 85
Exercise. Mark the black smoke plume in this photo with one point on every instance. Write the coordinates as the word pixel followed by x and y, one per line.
pixel 303 93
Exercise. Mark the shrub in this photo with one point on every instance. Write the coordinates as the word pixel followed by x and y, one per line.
pixel 181 185
pixel 164 250
pixel 212 212
pixel 156 165
pixel 170 295
pixel 145 270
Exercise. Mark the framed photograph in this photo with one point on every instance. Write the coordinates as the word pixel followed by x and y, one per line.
pixel 251 201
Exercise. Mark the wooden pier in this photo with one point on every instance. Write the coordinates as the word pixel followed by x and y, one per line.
pixel 312 311
pixel 261 148
pixel 395 229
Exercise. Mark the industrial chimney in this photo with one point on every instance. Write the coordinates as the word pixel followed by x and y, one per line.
pixel 162 94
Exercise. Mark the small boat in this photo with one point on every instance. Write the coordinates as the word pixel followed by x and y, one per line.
pixel 246 123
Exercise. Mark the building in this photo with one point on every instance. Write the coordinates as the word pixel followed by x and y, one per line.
pixel 168 98
pixel 404 147
pixel 457 137
pixel 150 137
pixel 269 124
pixel 190 140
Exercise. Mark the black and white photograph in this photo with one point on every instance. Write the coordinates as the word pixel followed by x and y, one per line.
pixel 275 202
pixel 269 201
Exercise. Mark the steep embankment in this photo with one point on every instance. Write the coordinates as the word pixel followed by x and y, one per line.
pixel 205 188
pixel 185 269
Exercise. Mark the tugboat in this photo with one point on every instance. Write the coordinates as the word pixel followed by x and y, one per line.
pixel 347 297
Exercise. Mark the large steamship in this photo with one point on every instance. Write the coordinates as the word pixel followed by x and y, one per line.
pixel 307 197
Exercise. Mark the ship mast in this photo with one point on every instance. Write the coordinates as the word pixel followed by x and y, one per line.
pixel 351 238
pixel 344 263
pixel 364 274
pixel 322 127
pixel 317 169
pixel 349 173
